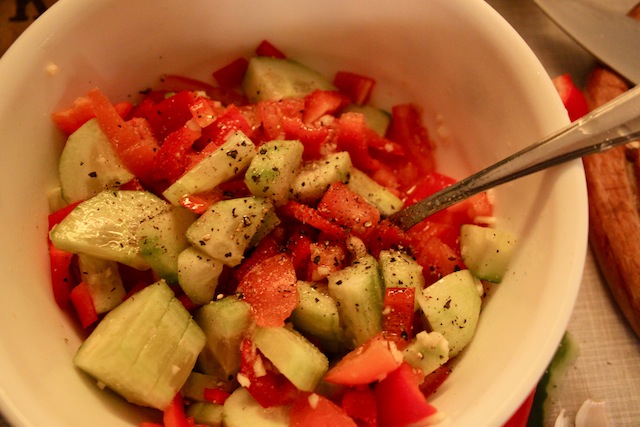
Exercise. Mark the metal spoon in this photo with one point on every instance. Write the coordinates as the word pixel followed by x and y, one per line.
pixel 615 123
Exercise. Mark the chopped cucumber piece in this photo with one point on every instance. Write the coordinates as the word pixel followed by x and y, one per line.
pixel 374 193
pixel 163 238
pixel 103 280
pixel 316 176
pixel 375 118
pixel 89 164
pixel 400 270
pixel 486 251
pixel 198 274
pixel 427 351
pixel 317 315
pixel 227 229
pixel 359 291
pixel 451 307
pixel 206 413
pixel 272 170
pixel 224 323
pixel 108 224
pixel 229 160
pixel 242 410
pixel 145 348
pixel 273 79
pixel 293 355
pixel 196 383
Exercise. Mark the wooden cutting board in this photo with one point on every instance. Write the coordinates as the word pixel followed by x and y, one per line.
pixel 613 185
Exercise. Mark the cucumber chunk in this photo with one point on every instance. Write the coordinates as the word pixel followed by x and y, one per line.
pixel 375 118
pixel 317 315
pixel 197 382
pixel 359 291
pixel 89 164
pixel 209 414
pixel 374 193
pixel 451 306
pixel 293 355
pixel 198 275
pixel 316 176
pixel 227 229
pixel 145 348
pixel 242 410
pixel 427 351
pixel 486 251
pixel 274 79
pixel 224 323
pixel 400 270
pixel 163 238
pixel 229 160
pixel 272 170
pixel 107 226
pixel 103 280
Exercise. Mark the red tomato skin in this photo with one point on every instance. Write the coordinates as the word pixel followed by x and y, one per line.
pixel 70 119
pixel 572 98
pixel 357 87
pixel 61 279
pixel 83 305
pixel 360 404
pixel 398 315
pixel 321 413
pixel 321 102
pixel 399 400
pixel 369 362
pixel 170 114
pixel 175 154
pixel 216 395
pixel 174 415
pixel 347 209
pixel 231 75
pixel 308 215
pixel 266 48
pixel 270 287
pixel 406 129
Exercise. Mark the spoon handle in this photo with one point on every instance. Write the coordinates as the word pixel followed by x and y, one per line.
pixel 615 123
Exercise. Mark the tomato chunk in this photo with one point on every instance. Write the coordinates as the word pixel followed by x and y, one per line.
pixel 83 304
pixel 61 279
pixel 572 98
pixel 314 410
pixel 357 87
pixel 369 362
pixel 70 119
pixel 348 210
pixel 360 404
pixel 231 75
pixel 270 287
pixel 398 315
pixel 265 48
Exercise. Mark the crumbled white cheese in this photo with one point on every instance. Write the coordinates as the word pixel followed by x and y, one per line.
pixel 243 380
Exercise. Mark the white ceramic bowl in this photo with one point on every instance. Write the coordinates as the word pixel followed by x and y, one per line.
pixel 484 95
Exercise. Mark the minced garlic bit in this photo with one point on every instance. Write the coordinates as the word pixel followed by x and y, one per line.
pixel 243 380
pixel 313 400
pixel 258 368
pixel 51 69
pixel 592 413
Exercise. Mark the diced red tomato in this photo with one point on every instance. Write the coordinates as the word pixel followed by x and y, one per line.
pixel 61 278
pixel 521 417
pixel 407 130
pixel 400 401
pixel 314 410
pixel 216 395
pixel 199 203
pixel 231 75
pixel 270 115
pixel 57 216
pixel 269 246
pixel 398 314
pixel 572 98
pixel 321 102
pixel 133 145
pixel 175 154
pixel 436 257
pixel 70 119
pixel 132 185
pixel 268 387
pixel 429 184
pixel 357 87
pixel 170 114
pixel 387 235
pixel 298 247
pixel 270 287
pixel 205 111
pixel 316 139
pixel 308 215
pixel 174 415
pixel 350 211
pixel 83 303
pixel 352 134
pixel 360 404
pixel 226 124
pixel 433 380
pixel 265 48
pixel 326 257
pixel 369 362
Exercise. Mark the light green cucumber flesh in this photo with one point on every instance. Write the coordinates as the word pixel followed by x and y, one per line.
pixel 273 168
pixel 207 413
pixel 359 292
pixel 108 225
pixel 228 161
pixel 400 270
pixel 224 323
pixel 274 79
pixel 374 117
pixel 427 351
pixel 451 307
pixel 242 410
pixel 316 176
pixel 293 355
pixel 197 382
pixel 198 274
pixel 145 348
pixel 486 251
pixel 103 280
pixel 374 193
pixel 89 164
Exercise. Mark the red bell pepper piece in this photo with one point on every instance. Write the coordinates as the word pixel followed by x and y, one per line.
pixel 231 75
pixel 216 395
pixel 407 129
pixel 360 404
pixel 400 401
pixel 349 210
pixel 357 87
pixel 265 48
pixel 270 287
pixel 57 216
pixel 572 98
pixel 521 417
pixel 61 278
pixel 321 102
pixel 308 215
pixel 398 315
pixel 83 304
pixel 174 415
pixel 175 154
pixel 314 410
pixel 70 119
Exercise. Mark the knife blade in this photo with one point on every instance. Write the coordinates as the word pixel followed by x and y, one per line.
pixel 611 37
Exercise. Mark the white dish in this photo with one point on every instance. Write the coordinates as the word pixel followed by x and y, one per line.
pixel 484 95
